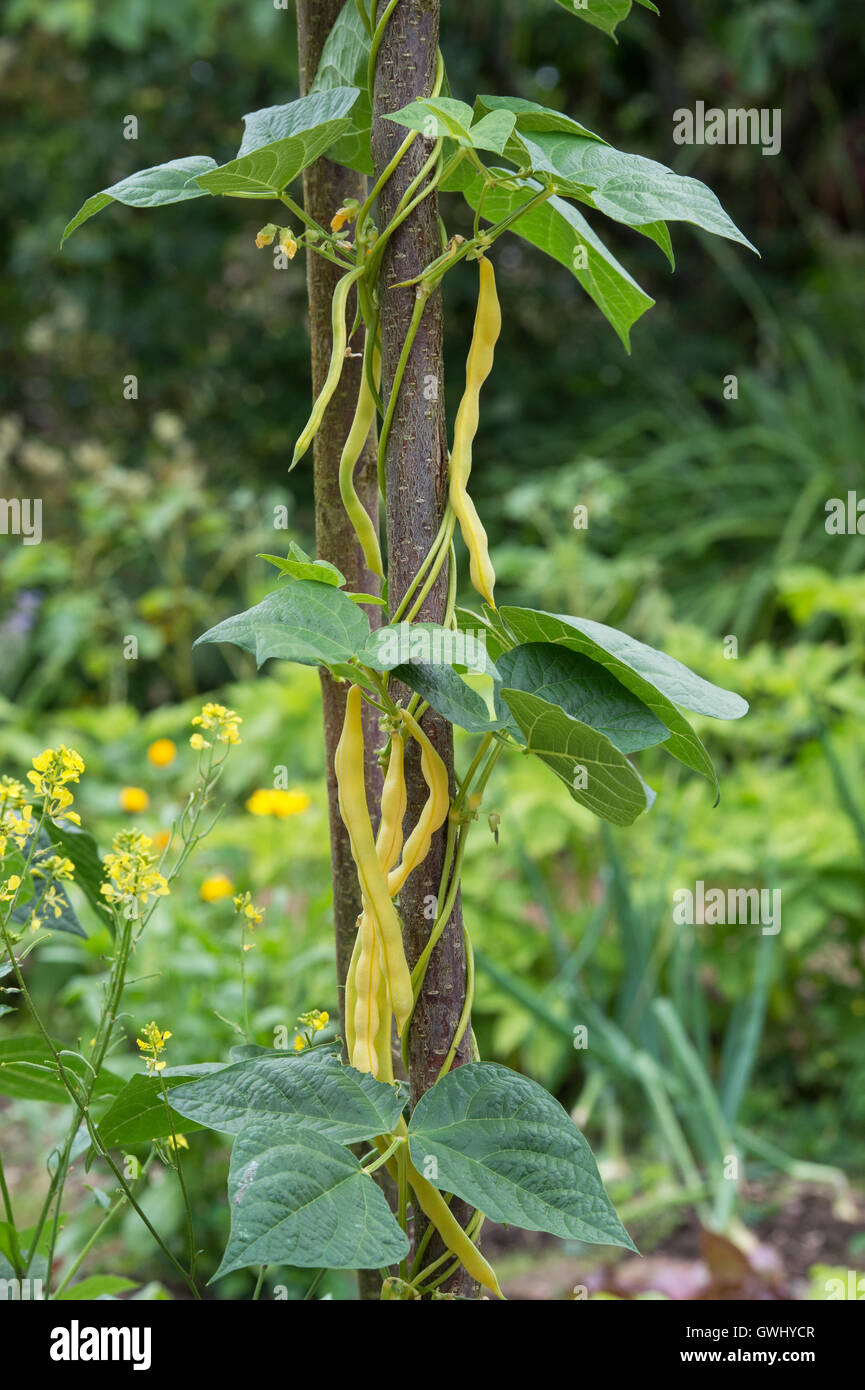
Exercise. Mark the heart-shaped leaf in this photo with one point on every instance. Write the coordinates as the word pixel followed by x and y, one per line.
pixel 302 621
pixel 343 63
pixel 300 1199
pixel 149 188
pixel 626 187
pixel 605 15
pixel 139 1113
pixel 313 1091
pixel 449 695
pixel 584 690
pixel 558 229
pixel 447 118
pixel 499 1141
pixel 658 680
pixel 596 774
pixel 280 141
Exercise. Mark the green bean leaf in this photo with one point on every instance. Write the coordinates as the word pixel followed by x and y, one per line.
pixel 584 690
pixel 593 769
pixel 311 1090
pixel 557 228
pixel 302 621
pixel 499 1141
pixel 148 188
pixel 301 1199
pixel 605 15
pixel 658 680
pixel 447 118
pixel 343 63
pixel 280 141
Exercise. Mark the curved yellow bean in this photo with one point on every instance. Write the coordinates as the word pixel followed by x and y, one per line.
pixel 339 330
pixel 487 326
pixel 436 1209
pixel 348 765
pixel 434 812
pixel 364 415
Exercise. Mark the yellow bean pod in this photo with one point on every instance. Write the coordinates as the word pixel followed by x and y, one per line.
pixel 394 799
pixel 339 332
pixel 434 812
pixel 348 765
pixel 487 326
pixel 364 415
pixel 351 994
pixel 436 1209
pixel 366 1013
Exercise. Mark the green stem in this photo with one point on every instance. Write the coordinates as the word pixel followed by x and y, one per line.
pixel 89 1244
pixel 424 565
pixel 442 555
pixel 396 1143
pixel 178 1167
pixel 103 1153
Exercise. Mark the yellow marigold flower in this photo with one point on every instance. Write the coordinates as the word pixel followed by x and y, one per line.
pixel 134 799
pixel 270 801
pixel 162 752
pixel 216 887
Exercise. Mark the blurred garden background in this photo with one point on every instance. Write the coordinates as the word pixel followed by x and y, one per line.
pixel 706 522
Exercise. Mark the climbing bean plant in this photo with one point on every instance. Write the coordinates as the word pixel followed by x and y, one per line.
pixel 576 694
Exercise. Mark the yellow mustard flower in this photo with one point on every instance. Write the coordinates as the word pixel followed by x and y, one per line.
pixel 129 870
pixel 53 768
pixel 216 887
pixel 134 799
pixel 54 866
pixel 243 905
pixel 16 826
pixel 162 752
pixel 153 1042
pixel 315 1019
pixel 9 887
pixel 219 721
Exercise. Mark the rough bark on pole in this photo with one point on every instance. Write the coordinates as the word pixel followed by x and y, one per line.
pixel 325 186
pixel 416 485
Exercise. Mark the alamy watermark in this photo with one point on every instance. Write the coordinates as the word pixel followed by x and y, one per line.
pixel 737 126
pixel 728 907
pixel 21 516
